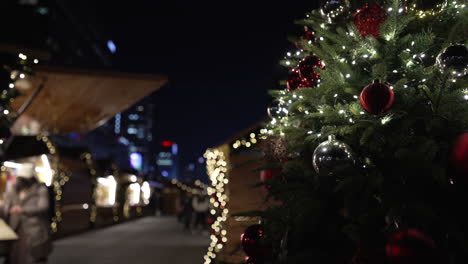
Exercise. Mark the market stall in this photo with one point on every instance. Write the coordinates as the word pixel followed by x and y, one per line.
pixel 232 168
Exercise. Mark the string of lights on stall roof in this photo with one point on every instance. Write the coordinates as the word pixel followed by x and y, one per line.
pixel 217 169
pixel 248 141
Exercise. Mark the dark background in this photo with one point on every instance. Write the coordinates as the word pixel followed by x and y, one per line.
pixel 221 58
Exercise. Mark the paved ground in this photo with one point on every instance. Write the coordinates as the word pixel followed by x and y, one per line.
pixel 149 240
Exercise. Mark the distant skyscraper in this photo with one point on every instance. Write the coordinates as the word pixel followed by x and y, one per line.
pixel 167 160
pixel 134 128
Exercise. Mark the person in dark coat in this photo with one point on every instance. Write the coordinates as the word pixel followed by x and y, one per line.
pixel 26 209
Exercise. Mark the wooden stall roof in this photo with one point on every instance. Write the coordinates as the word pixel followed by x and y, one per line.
pixel 72 100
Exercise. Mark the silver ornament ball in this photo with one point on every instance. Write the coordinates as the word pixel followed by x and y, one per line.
pixel 332 156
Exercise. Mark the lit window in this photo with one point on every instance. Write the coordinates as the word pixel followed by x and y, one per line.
pixel 132 131
pixel 133 117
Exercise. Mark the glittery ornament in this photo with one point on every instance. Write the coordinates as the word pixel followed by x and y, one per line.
pixel 307 35
pixel 253 242
pixel 369 18
pixel 376 98
pixel 275 149
pixel 276 110
pixel 294 79
pixel 332 156
pixel 454 58
pixel 334 10
pixel 411 246
pixel 307 67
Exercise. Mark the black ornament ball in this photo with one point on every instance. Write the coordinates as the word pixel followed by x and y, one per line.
pixel 332 156
pixel 253 242
pixel 454 58
pixel 276 110
pixel 410 246
pixel 334 10
pixel 376 98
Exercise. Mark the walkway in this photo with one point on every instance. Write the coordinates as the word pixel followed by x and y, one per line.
pixel 148 240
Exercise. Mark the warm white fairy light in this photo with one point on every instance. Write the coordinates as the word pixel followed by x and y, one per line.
pixel 288 63
pixel 217 168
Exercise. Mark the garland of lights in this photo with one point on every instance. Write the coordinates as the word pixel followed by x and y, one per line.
pixel 217 167
pixel 187 188
pixel 251 140
pixel 92 171
pixel 59 179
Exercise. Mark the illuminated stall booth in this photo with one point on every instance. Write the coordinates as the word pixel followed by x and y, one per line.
pixel 134 194
pixel 106 211
pixel 62 170
pixel 231 168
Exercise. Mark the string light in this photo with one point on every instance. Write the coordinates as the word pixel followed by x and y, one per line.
pixel 217 169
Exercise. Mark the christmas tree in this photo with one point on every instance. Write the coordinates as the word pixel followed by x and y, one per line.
pixel 375 122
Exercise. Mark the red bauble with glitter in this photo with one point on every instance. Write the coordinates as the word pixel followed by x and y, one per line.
pixel 294 80
pixel 266 175
pixel 459 158
pixel 410 246
pixel 369 18
pixel 253 243
pixel 307 72
pixel 308 35
pixel 308 65
pixel 377 98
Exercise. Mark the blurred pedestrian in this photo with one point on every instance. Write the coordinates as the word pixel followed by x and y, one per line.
pixel 187 211
pixel 200 205
pixel 26 209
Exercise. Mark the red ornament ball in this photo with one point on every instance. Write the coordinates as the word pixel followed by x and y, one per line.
pixel 459 156
pixel 307 71
pixel 308 35
pixel 410 246
pixel 253 243
pixel 377 98
pixel 369 18
pixel 253 261
pixel 294 79
pixel 266 175
pixel 308 65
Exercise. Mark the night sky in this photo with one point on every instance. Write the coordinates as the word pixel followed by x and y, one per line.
pixel 221 57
